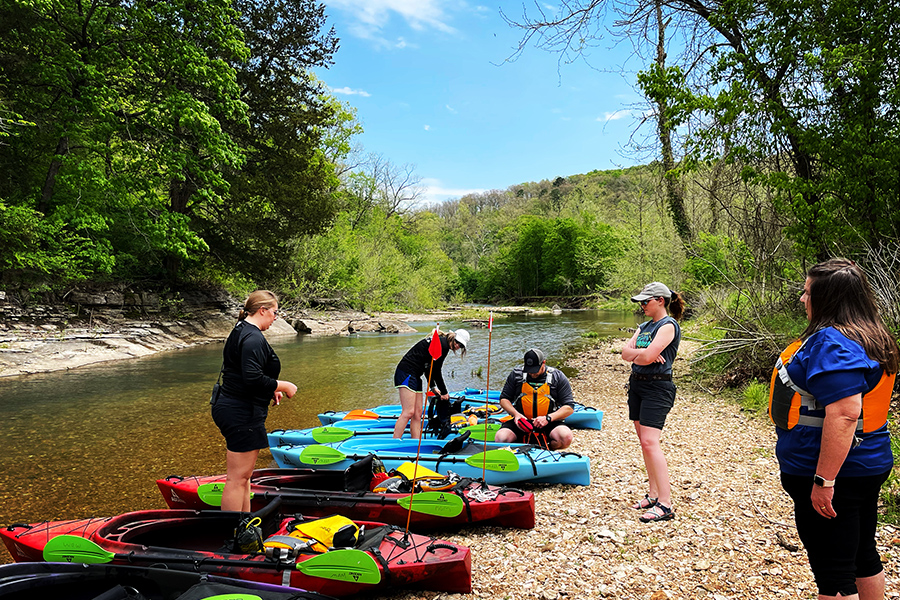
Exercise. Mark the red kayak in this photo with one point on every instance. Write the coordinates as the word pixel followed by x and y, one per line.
pixel 383 556
pixel 320 493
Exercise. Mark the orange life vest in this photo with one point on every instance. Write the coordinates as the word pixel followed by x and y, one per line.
pixel 536 401
pixel 786 398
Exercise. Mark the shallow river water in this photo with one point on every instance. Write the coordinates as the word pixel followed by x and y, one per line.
pixel 93 441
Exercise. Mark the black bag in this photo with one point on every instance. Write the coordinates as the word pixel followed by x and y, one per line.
pixel 217 387
pixel 215 393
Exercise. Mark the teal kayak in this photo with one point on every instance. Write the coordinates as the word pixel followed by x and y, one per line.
pixel 498 464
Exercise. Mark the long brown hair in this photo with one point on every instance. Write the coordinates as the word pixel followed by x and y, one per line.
pixel 675 304
pixel 840 296
pixel 257 300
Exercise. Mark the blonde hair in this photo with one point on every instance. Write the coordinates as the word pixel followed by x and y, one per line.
pixel 451 337
pixel 257 300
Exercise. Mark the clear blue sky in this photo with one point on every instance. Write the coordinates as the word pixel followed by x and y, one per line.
pixel 432 89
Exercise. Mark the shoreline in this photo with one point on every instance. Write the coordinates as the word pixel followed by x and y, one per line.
pixel 48 339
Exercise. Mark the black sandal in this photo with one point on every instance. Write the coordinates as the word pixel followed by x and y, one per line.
pixel 645 503
pixel 658 512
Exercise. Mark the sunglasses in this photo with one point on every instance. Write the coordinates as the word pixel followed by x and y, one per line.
pixel 647 301
pixel 274 311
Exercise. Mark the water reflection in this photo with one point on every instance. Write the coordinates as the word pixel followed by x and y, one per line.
pixel 92 441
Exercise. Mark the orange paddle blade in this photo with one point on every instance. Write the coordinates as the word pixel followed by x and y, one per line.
pixel 359 414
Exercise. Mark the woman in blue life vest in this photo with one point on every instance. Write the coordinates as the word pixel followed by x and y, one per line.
pixel 416 364
pixel 250 382
pixel 651 392
pixel 833 446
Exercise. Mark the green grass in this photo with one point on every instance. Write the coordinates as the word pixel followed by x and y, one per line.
pixel 755 398
pixel 890 491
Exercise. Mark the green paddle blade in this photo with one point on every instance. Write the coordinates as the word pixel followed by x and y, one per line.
pixel 439 504
pixel 350 565
pixel 477 431
pixel 495 460
pixel 321 455
pixel 211 493
pixel 324 435
pixel 75 549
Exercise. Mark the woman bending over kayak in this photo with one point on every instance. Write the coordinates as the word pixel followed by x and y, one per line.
pixel 416 364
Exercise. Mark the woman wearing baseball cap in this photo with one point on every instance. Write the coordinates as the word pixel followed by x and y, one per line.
pixel 651 392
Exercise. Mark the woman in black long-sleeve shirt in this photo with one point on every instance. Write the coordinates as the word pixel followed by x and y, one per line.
pixel 414 365
pixel 249 383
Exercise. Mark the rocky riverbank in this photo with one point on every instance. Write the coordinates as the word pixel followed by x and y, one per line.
pixel 732 537
pixel 91 328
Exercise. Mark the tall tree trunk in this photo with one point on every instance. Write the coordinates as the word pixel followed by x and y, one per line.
pixel 62 148
pixel 674 191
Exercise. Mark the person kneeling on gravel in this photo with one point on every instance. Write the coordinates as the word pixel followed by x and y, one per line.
pixel 538 398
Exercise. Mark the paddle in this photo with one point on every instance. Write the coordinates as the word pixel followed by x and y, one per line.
pixel 326 435
pixel 361 413
pixel 500 459
pixel 350 565
pixel 439 504
pixel 478 432
pixel 495 460
pixel 321 455
pixel 211 493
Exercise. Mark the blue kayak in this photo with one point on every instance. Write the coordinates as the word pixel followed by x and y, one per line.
pixel 500 464
pixel 368 428
pixel 584 417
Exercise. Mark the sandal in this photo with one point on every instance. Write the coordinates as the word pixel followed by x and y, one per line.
pixel 645 503
pixel 658 512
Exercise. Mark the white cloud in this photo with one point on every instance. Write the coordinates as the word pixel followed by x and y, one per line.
pixel 428 128
pixel 351 92
pixel 434 192
pixel 614 116
pixel 371 17
pixel 451 109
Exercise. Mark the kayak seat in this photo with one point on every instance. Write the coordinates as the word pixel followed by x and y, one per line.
pixel 455 445
pixel 358 475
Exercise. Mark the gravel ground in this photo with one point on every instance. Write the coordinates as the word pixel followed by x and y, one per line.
pixel 732 536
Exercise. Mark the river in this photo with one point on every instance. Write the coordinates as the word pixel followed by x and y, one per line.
pixel 93 441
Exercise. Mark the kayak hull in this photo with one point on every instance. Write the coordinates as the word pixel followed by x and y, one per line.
pixel 77 581
pixel 194 540
pixel 532 464
pixel 320 493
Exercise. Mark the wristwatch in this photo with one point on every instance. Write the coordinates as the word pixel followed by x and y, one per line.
pixel 549 417
pixel 822 482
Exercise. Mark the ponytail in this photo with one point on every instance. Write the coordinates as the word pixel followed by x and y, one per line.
pixel 257 300
pixel 675 304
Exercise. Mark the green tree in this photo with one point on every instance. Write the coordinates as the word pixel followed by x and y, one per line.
pixel 126 100
pixel 287 186
pixel 801 95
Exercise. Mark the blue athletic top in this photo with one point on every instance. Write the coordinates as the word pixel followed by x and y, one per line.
pixel 645 337
pixel 831 367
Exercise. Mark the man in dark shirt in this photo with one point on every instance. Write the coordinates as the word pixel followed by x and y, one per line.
pixel 538 398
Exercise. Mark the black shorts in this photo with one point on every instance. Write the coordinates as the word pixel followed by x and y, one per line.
pixel 649 402
pixel 412 382
pixel 242 423
pixel 841 549
pixel 521 435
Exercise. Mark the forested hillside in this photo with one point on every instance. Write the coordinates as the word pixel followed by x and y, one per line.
pixel 176 145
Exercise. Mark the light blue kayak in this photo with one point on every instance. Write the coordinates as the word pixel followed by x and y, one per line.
pixel 368 428
pixel 500 464
pixel 584 417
